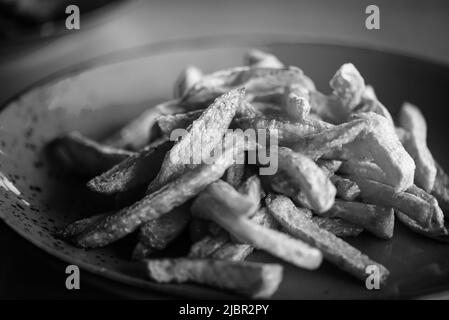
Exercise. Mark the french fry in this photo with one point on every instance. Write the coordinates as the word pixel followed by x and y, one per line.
pixel 426 214
pixel 440 235
pixel 260 59
pixel 203 136
pixel 348 85
pixel 346 189
pixel 157 234
pixel 79 226
pixel 308 177
pixel 337 251
pixel 208 245
pixel 329 140
pixel 211 206
pixel 233 251
pixel 155 205
pixel 373 105
pixel 441 189
pixel 287 132
pixel 186 79
pixel 235 175
pixel 251 279
pixel 412 120
pixel 363 169
pixel 296 107
pixel 140 131
pixel 338 227
pixel 170 122
pixel 133 172
pixel 255 80
pixel 375 219
pixel 76 154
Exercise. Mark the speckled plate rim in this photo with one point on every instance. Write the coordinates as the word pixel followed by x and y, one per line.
pixel 225 41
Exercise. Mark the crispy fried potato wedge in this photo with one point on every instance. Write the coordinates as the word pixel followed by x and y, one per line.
pixel 141 131
pixel 157 234
pixel 441 189
pixel 338 227
pixel 168 197
pixel 309 178
pixel 412 120
pixel 211 206
pixel 255 80
pixel 203 136
pixel 133 172
pixel 170 122
pixel 186 79
pixel 375 219
pixel 425 213
pixel 260 59
pixel 76 154
pixel 337 251
pixel 251 279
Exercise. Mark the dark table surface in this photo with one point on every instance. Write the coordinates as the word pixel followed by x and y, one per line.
pixel 413 27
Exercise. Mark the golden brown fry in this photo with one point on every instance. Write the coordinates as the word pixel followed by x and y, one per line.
pixel 155 205
pixel 134 172
pixel 260 59
pixel 157 234
pixel 317 144
pixel 211 206
pixel 425 213
pixel 412 120
pixel 337 251
pixel 308 177
pixel 140 131
pixel 251 279
pixel 375 219
pixel 186 79
pixel 76 154
pixel 441 189
pixel 255 80
pixel 348 85
pixel 203 136
pixel 338 227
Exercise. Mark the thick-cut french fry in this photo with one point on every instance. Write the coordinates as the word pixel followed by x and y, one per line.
pixel 211 206
pixel 186 79
pixel 74 153
pixel 282 183
pixel 328 107
pixel 261 59
pixel 235 175
pixel 308 177
pixel 441 189
pixel 157 234
pixel 412 120
pixel 338 227
pixel 233 251
pixel 255 80
pixel 363 169
pixel 329 140
pixel 162 201
pixel 79 226
pixel 381 143
pixel 139 132
pixel 329 166
pixel 334 249
pixel 425 213
pixel 348 85
pixel 170 122
pixel 251 279
pixel 375 219
pixel 346 189
pixel 440 235
pixel 296 107
pixel 203 136
pixel 373 105
pixel 134 172
pixel 208 245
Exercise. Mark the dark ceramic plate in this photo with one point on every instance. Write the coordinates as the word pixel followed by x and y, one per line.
pixel 98 97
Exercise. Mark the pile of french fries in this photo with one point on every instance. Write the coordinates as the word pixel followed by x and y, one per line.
pixel 344 167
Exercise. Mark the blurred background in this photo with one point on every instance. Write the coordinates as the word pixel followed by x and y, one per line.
pixel 35 43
